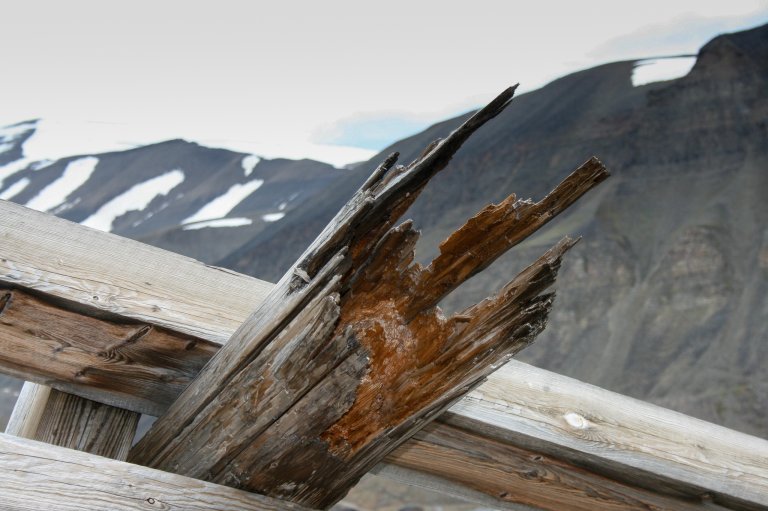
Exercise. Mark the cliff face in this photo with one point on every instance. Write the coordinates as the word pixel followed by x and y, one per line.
pixel 664 299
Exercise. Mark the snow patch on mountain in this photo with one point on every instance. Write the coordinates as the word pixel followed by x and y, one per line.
pixel 223 204
pixel 11 168
pixel 60 138
pixel 219 222
pixel 249 163
pixel 73 177
pixel 15 189
pixel 658 70
pixel 135 198
pixel 272 217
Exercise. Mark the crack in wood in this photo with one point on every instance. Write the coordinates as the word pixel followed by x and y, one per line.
pixel 5 301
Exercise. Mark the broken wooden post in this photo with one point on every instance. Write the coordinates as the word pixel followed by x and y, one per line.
pixel 349 356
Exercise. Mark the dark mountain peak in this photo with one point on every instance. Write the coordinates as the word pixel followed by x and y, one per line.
pixel 174 143
pixel 736 53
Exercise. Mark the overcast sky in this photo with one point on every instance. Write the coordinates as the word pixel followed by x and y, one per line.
pixel 299 78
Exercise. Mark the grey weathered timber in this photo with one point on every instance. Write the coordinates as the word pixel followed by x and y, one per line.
pixel 348 356
pixel 35 476
pixel 647 448
pixel 79 423
pixel 112 274
pixel 529 436
pixel 29 408
pixel 66 420
pixel 615 437
pixel 499 475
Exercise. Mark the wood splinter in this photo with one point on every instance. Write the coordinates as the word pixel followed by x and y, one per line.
pixel 349 355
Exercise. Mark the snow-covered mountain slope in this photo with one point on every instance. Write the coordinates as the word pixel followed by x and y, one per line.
pixel 169 192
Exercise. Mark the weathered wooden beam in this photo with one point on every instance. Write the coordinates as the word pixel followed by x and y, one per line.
pixel 349 355
pixel 35 475
pixel 529 436
pixel 85 425
pixel 29 409
pixel 127 364
pixel 57 418
pixel 111 274
pixel 499 475
pixel 528 422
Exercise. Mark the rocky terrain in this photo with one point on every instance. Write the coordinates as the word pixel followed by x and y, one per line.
pixel 665 297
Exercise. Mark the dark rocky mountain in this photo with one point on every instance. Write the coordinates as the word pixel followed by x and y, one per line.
pixel 664 299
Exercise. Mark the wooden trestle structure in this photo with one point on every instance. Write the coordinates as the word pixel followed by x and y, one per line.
pixel 282 396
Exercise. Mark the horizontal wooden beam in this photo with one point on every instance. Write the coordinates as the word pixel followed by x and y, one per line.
pixel 36 475
pixel 137 366
pixel 585 427
pixel 116 275
pixel 529 436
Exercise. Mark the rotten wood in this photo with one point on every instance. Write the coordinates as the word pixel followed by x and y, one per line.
pixel 35 476
pixel 349 356
pixel 121 363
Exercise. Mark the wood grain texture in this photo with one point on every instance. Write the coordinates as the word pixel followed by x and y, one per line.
pixel 127 364
pixel 35 476
pixel 349 355
pixel 54 417
pixel 28 410
pixel 121 276
pixel 78 423
pixel 624 439
pixel 510 477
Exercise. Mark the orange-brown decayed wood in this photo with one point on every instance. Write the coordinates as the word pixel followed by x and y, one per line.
pixel 298 405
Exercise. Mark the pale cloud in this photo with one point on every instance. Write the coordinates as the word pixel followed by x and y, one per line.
pixel 261 75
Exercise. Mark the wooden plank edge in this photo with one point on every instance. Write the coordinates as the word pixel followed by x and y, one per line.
pixel 117 275
pixel 617 436
pixel 35 475
pixel 501 475
pixel 48 415
pixel 28 410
